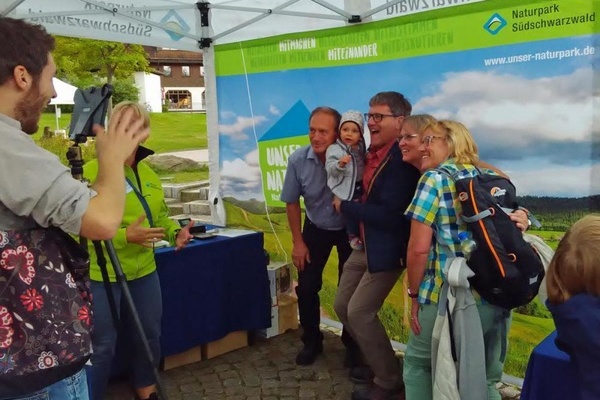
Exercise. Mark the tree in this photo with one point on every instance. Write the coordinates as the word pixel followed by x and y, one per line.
pixel 87 62
pixel 124 89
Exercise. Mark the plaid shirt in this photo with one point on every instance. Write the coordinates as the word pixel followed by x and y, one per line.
pixel 436 205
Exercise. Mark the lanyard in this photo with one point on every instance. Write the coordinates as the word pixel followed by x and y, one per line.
pixel 142 200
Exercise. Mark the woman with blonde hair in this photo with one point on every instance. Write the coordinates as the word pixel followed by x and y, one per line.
pixel 573 285
pixel 435 228
pixel 413 130
pixel 145 221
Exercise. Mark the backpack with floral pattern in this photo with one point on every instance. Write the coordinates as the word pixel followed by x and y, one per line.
pixel 45 309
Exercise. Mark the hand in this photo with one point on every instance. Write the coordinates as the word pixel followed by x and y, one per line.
pixel 414 317
pixel 344 160
pixel 125 132
pixel 143 236
pixel 337 202
pixel 520 218
pixel 300 255
pixel 184 236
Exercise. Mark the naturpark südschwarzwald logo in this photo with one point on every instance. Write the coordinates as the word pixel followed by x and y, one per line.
pixel 495 24
pixel 175 25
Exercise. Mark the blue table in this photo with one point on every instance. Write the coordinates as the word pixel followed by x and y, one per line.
pixel 550 374
pixel 211 288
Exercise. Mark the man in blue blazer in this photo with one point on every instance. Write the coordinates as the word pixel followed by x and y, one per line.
pixel 370 274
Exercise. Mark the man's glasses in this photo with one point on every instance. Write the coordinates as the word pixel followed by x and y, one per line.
pixel 428 139
pixel 377 117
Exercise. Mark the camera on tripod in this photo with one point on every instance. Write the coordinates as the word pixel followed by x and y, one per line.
pixel 91 106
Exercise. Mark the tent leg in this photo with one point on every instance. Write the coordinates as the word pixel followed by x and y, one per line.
pixel 56 116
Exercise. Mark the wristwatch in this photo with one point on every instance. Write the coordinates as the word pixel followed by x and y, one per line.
pixel 411 294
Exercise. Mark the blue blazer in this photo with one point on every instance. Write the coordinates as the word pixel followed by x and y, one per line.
pixel 386 230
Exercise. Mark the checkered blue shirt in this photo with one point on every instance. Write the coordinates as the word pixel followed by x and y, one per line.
pixel 435 204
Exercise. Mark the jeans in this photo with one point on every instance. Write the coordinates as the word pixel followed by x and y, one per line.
pixel 71 388
pixel 495 323
pixel 147 298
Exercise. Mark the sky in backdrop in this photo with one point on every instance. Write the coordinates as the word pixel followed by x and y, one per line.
pixel 533 119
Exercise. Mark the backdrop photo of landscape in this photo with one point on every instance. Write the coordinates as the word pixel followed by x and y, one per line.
pixel 527 97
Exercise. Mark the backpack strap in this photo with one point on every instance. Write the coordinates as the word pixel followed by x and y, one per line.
pixel 534 221
pixel 482 215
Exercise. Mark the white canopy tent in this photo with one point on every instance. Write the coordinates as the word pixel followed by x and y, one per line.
pixel 64 92
pixel 64 95
pixel 196 26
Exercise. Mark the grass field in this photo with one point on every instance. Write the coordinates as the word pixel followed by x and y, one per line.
pixel 169 131
pixel 550 237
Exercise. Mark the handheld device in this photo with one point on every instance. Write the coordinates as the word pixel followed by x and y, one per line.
pixel 196 229
pixel 90 108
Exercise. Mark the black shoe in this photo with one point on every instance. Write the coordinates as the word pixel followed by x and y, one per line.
pixel 153 396
pixel 362 374
pixel 309 353
pixel 375 392
pixel 352 359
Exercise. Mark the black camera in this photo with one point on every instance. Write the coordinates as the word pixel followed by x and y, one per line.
pixel 90 108
pixel 197 228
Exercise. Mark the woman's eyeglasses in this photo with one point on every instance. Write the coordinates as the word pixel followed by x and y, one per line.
pixel 429 138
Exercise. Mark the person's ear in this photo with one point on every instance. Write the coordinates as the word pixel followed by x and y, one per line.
pixel 399 122
pixel 22 77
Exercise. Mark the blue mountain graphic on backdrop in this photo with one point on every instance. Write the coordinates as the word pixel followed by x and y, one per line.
pixel 292 123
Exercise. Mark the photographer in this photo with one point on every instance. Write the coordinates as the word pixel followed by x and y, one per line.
pixel 145 221
pixel 44 306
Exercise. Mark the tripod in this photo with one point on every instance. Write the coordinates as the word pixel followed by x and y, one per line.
pixel 76 163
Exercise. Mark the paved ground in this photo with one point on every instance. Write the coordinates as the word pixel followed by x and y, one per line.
pixel 263 371
pixel 266 371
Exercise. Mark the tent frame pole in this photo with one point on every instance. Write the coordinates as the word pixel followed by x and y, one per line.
pixel 382 7
pixel 333 8
pixel 277 12
pixel 11 7
pixel 217 208
pixel 255 19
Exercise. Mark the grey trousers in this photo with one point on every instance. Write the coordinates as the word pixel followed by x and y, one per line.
pixel 359 297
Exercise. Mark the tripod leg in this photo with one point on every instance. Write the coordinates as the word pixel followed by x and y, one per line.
pixel 112 254
pixel 109 294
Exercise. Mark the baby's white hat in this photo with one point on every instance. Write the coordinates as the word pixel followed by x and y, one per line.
pixel 354 116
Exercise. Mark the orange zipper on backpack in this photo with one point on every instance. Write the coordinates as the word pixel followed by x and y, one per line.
pixel 485 234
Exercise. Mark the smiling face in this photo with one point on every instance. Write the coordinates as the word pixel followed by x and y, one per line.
pixel 322 132
pixel 29 109
pixel 350 133
pixel 435 149
pixel 411 145
pixel 385 131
